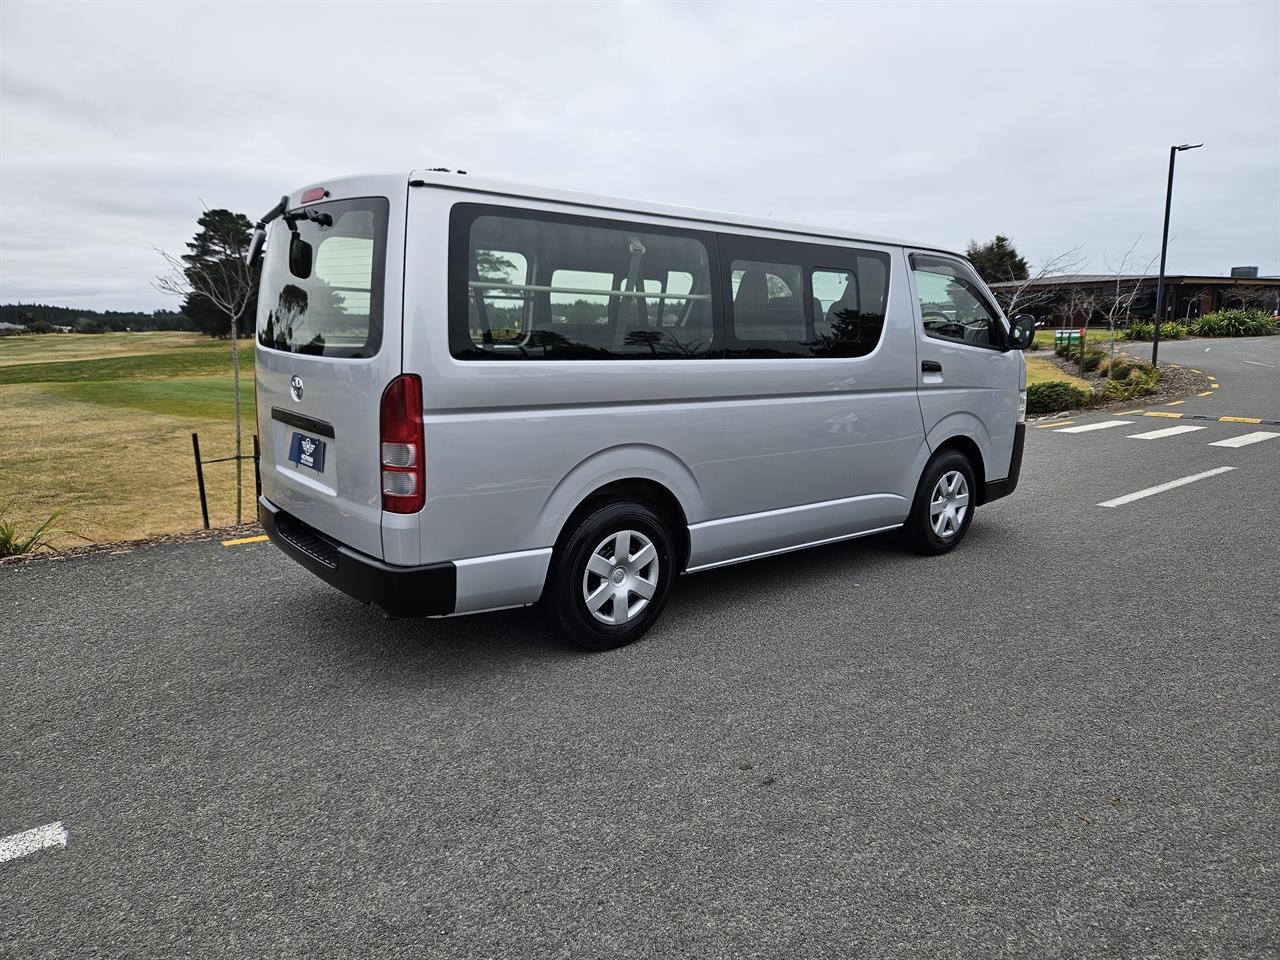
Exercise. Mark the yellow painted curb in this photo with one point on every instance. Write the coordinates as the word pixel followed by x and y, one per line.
pixel 1213 378
pixel 1194 370
pixel 1214 386
pixel 1174 403
pixel 1239 419
pixel 1163 413
pixel 1056 423
pixel 240 540
pixel 1207 393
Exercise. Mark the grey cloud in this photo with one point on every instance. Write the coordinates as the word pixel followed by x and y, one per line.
pixel 936 122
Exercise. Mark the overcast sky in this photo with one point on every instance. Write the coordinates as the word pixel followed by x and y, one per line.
pixel 942 122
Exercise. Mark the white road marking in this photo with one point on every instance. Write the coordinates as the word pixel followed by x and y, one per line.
pixel 1095 426
pixel 1258 363
pixel 1161 488
pixel 29 841
pixel 1245 439
pixel 1166 432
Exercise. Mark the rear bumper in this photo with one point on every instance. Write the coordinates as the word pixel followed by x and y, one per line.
pixel 996 489
pixel 429 591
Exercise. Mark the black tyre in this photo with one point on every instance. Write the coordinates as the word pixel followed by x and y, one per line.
pixel 943 506
pixel 611 575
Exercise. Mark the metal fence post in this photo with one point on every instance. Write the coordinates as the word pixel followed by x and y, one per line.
pixel 204 503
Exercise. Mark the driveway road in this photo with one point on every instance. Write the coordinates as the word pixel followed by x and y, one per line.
pixel 1059 740
pixel 1248 370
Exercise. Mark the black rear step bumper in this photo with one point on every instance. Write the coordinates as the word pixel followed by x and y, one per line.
pixel 995 489
pixel 429 591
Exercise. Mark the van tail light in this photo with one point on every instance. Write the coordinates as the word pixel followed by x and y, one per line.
pixel 404 479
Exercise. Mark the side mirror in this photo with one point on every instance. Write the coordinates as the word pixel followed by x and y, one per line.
pixel 1022 332
pixel 255 244
pixel 300 256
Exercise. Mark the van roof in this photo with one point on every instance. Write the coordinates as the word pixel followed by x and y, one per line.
pixel 461 181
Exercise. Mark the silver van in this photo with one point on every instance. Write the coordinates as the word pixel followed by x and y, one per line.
pixel 475 395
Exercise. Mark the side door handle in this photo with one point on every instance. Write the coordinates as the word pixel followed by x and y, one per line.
pixel 930 366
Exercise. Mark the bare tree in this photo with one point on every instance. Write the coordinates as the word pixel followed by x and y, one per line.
pixel 1039 287
pixel 1116 300
pixel 1246 294
pixel 216 271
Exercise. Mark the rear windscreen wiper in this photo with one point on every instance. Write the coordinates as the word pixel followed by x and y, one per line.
pixel 282 209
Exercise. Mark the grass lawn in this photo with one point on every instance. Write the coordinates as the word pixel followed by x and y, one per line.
pixel 57 347
pixel 1040 370
pixel 110 437
pixel 1044 338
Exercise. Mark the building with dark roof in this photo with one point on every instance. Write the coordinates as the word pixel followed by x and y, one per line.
pixel 1087 297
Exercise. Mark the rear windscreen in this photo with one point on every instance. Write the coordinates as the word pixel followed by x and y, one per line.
pixel 321 291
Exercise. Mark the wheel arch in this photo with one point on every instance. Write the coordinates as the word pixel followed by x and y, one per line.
pixel 973 453
pixel 646 474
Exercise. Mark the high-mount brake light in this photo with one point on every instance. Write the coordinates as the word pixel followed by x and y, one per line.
pixel 404 480
pixel 314 194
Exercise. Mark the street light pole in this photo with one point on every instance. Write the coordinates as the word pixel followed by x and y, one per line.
pixel 1164 250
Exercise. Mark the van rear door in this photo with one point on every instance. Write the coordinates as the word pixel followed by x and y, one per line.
pixel 328 344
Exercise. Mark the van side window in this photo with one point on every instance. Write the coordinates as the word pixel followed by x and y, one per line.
pixel 952 306
pixel 848 307
pixel 502 313
pixel 826 302
pixel 575 288
pixel 768 308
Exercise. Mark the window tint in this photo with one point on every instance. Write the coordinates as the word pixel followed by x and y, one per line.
pixel 505 312
pixel 767 304
pixel 335 310
pixel 848 307
pixel 547 287
pixel 826 302
pixel 952 306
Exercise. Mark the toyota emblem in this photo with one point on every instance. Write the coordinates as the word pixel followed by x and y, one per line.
pixel 295 388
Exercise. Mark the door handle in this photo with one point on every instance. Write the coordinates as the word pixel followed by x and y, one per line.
pixel 930 366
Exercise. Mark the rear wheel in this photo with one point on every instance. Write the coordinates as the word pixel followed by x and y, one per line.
pixel 943 506
pixel 609 580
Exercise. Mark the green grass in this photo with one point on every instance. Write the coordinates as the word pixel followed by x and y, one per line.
pixel 1045 338
pixel 180 362
pixel 210 398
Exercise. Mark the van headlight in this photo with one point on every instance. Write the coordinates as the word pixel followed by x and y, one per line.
pixel 1022 406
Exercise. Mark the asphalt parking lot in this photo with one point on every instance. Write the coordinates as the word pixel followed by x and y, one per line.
pixel 1059 740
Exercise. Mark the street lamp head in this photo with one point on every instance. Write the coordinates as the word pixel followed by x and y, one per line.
pixel 1188 146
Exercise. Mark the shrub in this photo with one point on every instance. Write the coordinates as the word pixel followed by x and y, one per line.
pixel 1141 381
pixel 1092 357
pixel 1054 395
pixel 1142 330
pixel 1234 323
pixel 13 543
pixel 1116 369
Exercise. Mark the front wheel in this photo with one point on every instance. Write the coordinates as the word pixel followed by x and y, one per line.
pixel 943 506
pixel 610 579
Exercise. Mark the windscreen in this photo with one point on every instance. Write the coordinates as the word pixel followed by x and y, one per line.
pixel 321 291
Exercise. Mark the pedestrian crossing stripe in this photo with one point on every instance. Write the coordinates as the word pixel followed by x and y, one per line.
pixel 1245 440
pixel 1163 414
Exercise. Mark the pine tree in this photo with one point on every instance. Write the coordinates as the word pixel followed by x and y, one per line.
pixel 997 261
